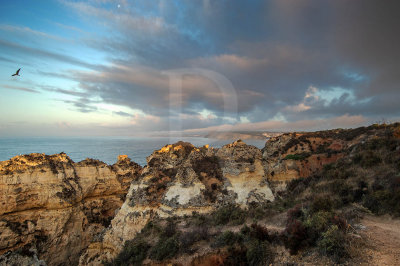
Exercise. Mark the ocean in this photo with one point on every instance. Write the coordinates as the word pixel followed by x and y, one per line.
pixel 105 149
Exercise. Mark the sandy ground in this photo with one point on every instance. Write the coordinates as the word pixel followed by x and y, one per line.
pixel 383 238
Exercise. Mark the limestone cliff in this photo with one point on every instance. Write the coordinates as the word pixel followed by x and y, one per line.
pixel 180 179
pixel 56 206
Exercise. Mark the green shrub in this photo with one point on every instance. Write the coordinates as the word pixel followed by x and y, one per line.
pixel 169 230
pixel 383 201
pixel 319 221
pixel 151 228
pixel 259 232
pixel 297 156
pixel 165 248
pixel 333 242
pixel 328 167
pixel 229 214
pixel 316 224
pixel 322 204
pixel 259 253
pixel 296 213
pixel 187 239
pixel 236 255
pixel 133 253
pixel 370 159
pixel 245 230
pixel 258 211
pixel 198 219
pixel 304 227
pixel 295 236
pixel 227 238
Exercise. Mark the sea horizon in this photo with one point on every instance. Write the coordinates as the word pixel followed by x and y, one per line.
pixel 103 148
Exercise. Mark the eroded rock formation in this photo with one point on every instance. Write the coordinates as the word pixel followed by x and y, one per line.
pixel 56 206
pixel 180 179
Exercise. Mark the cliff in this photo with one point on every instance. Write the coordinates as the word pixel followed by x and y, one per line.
pixel 55 206
pixel 62 212
pixel 180 179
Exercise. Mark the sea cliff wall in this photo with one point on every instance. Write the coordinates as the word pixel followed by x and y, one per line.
pixel 54 207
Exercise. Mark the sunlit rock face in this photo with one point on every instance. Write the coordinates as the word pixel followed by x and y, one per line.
pixel 179 179
pixel 56 206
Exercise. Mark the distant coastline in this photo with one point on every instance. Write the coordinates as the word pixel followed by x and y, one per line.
pixel 243 135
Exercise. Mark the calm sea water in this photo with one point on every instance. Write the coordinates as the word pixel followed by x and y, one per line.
pixel 105 149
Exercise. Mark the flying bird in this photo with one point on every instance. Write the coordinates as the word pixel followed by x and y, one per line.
pixel 16 73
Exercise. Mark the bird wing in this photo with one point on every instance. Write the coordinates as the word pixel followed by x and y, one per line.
pixel 18 71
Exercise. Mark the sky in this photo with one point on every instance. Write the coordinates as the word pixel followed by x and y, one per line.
pixel 138 68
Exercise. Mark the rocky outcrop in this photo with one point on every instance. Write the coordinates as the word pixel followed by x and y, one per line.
pixel 180 179
pixel 297 155
pixel 56 206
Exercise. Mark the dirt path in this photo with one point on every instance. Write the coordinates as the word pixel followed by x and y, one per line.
pixel 383 237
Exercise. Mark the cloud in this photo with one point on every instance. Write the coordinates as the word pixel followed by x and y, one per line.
pixel 345 121
pixel 124 114
pixel 64 91
pixel 308 99
pixel 27 30
pixel 47 54
pixel 285 59
pixel 231 60
pixel 19 88
pixel 275 59
pixel 82 105
pixel 5 59
pixel 69 27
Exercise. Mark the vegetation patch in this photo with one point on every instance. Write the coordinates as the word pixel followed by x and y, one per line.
pixel 133 253
pixel 315 227
pixel 297 156
pixel 229 214
pixel 165 248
